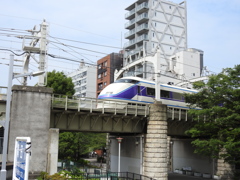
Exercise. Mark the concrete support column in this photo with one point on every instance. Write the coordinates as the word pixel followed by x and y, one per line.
pixel 53 150
pixel 30 117
pixel 224 170
pixel 155 151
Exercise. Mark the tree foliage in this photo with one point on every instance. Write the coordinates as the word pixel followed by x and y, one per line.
pixel 217 133
pixel 60 83
pixel 72 145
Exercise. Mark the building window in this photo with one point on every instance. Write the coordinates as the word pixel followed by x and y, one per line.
pixel 105 83
pixel 100 86
pixel 105 64
pixel 153 34
pixel 105 73
pixel 170 37
pixel 155 13
pixel 170 7
pixel 100 66
pixel 99 76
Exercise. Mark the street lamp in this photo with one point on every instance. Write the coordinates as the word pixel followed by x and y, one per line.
pixel 5 123
pixel 119 139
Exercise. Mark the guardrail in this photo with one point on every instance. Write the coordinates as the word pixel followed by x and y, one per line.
pixel 111 176
pixel 100 105
pixel 3 93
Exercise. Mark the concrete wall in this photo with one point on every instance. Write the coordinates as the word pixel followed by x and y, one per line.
pixel 30 117
pixel 131 158
pixel 184 156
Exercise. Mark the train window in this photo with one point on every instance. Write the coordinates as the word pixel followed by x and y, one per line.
pixel 139 89
pixel 165 94
pixel 150 91
pixel 126 81
pixel 177 96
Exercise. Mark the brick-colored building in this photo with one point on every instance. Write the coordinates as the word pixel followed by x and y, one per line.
pixel 105 70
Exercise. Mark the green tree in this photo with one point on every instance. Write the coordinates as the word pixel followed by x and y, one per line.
pixel 72 145
pixel 217 133
pixel 60 83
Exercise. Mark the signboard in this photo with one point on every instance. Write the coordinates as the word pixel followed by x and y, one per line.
pixel 21 158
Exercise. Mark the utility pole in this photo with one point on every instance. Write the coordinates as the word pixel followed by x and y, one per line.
pixel 37 45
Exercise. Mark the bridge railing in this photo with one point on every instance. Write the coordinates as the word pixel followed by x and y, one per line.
pixel 3 93
pixel 99 105
pixel 178 114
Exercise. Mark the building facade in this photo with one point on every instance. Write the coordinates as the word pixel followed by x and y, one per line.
pixel 106 68
pixel 153 25
pixel 84 80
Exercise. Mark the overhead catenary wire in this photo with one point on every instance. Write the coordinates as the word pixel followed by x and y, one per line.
pixel 87 43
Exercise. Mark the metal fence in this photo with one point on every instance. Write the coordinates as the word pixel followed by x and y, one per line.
pixel 100 105
pixel 111 176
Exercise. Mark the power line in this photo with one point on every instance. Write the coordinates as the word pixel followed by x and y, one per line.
pixel 78 47
pixel 72 50
pixel 87 43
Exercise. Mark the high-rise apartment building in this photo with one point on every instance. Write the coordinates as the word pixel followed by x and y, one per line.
pixel 84 80
pixel 106 68
pixel 152 25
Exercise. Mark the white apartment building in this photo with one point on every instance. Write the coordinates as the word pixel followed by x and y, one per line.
pixel 156 25
pixel 186 64
pixel 84 80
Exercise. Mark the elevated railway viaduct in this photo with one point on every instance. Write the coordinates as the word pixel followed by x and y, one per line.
pixel 37 113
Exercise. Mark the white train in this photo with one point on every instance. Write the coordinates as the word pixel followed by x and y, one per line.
pixel 135 89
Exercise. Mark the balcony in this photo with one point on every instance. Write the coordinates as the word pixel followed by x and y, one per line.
pixel 129 43
pixel 142 28
pixel 142 38
pixel 129 15
pixel 130 34
pixel 130 24
pixel 142 7
pixel 134 51
pixel 142 18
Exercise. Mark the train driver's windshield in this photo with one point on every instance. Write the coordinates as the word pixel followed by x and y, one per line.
pixel 126 81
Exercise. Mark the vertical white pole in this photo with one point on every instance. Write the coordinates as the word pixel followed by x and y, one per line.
pixel 157 76
pixel 119 154
pixel 6 124
pixel 42 55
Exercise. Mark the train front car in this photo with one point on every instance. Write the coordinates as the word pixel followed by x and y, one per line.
pixel 122 90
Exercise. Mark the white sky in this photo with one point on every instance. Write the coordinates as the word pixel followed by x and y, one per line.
pixel 213 26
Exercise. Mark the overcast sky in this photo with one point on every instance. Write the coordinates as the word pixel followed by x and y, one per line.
pixel 213 26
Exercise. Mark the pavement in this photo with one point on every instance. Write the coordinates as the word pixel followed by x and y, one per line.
pixel 174 176
pixel 171 176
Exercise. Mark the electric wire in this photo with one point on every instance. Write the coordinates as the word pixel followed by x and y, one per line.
pixel 72 50
pixel 86 43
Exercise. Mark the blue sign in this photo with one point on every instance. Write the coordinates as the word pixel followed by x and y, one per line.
pixel 21 158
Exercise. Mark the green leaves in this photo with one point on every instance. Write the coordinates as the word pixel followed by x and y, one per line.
pixel 60 83
pixel 217 131
pixel 72 145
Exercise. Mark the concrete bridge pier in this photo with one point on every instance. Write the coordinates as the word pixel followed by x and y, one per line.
pixel 155 150
pixel 30 114
pixel 224 170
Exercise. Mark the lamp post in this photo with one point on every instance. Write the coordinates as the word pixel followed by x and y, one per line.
pixel 119 139
pixel 5 123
